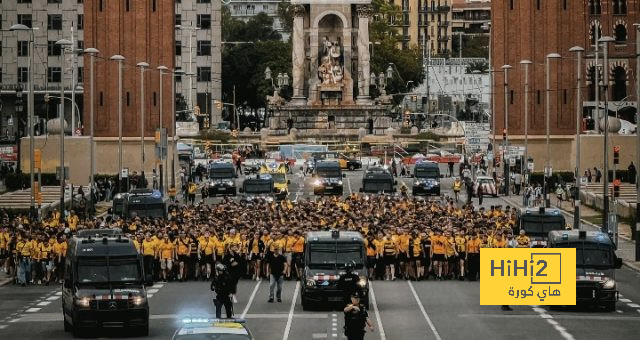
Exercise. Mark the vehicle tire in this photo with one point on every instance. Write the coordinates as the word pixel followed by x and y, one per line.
pixel 305 304
pixel 610 306
pixel 351 167
pixel 67 326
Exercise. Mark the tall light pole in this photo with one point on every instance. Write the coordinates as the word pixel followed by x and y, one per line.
pixel 30 118
pixel 63 43
pixel 192 33
pixel 505 141
pixel 487 26
pixel 119 59
pixel 143 66
pixel 92 55
pixel 525 171
pixel 162 69
pixel 576 211
pixel 174 154
pixel 605 87
pixel 547 167
pixel 637 141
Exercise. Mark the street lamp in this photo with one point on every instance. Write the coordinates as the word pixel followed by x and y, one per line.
pixel 119 59
pixel 192 33
pixel 30 118
pixel 162 69
pixel 143 66
pixel 487 27
pixel 576 211
pixel 605 85
pixel 525 63
pixel 63 43
pixel 176 73
pixel 547 169
pixel 637 234
pixel 505 142
pixel 92 55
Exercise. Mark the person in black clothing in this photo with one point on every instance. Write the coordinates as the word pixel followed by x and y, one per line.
pixel 348 282
pixel 276 278
pixel 232 262
pixel 631 171
pixel 194 264
pixel 221 285
pixel 480 194
pixel 356 318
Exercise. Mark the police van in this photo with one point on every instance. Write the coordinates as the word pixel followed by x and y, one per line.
pixel 221 179
pixel 378 180
pixel 596 264
pixel 325 256
pixel 426 178
pixel 278 172
pixel 141 202
pixel 327 178
pixel 538 222
pixel 260 186
pixel 104 285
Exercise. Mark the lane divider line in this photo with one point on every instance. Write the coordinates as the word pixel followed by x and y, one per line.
pixel 287 328
pixel 383 336
pixel 549 319
pixel 424 312
pixel 253 295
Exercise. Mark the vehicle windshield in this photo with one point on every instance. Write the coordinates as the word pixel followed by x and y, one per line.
pixel 334 254
pixel 117 271
pixel 485 181
pixel 278 178
pixel 591 255
pixel 378 185
pixel 257 188
pixel 221 173
pixel 427 173
pixel 541 226
pixel 146 210
pixel 204 336
pixel 329 172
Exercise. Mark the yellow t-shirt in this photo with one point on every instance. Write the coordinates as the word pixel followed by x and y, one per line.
pixel 148 248
pixel 166 250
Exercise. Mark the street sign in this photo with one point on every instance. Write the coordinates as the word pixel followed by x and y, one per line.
pixel 66 173
pixel 530 166
pixel 512 161
pixel 125 173
pixel 548 171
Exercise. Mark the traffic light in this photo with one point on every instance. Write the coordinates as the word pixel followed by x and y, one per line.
pixel 504 134
pixel 414 98
pixel 616 154
pixel 616 188
pixel 218 104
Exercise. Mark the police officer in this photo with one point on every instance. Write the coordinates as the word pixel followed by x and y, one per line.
pixel 355 319
pixel 222 284
pixel 348 282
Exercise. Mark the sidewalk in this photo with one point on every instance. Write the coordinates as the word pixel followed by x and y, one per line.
pixel 626 247
pixel 5 279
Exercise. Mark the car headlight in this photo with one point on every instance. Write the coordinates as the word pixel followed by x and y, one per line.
pixel 609 284
pixel 138 300
pixel 311 283
pixel 117 196
pixel 229 183
pixel 83 302
pixel 317 182
pixel 339 182
pixel 362 282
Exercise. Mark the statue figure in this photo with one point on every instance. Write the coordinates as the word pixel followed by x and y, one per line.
pixel 330 70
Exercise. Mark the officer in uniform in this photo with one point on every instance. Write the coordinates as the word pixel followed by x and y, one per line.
pixel 355 319
pixel 348 282
pixel 523 240
pixel 222 284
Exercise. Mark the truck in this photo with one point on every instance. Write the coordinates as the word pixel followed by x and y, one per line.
pixel 537 223
pixel 426 178
pixel 378 180
pixel 596 264
pixel 221 179
pixel 141 202
pixel 327 178
pixel 104 285
pixel 260 186
pixel 278 172
pixel 325 256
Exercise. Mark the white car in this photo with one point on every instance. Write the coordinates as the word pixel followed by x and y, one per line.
pixel 488 186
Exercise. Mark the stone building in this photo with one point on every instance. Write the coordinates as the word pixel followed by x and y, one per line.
pixel 469 16
pixel 430 17
pixel 245 9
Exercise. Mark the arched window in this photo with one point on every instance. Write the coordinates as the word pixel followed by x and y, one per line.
pixel 620 33
pixel 619 83
pixel 596 6
pixel 595 32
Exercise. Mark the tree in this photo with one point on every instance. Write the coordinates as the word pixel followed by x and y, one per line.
pixel 473 46
pixel 285 14
pixel 481 66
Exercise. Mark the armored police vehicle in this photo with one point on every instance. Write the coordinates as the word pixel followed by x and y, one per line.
pixel 427 178
pixel 325 255
pixel 260 186
pixel 538 222
pixel 278 172
pixel 205 328
pixel 145 203
pixel 596 264
pixel 221 179
pixel 104 285
pixel 378 180
pixel 327 178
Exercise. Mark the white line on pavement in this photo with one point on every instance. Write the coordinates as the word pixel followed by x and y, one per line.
pixel 424 312
pixel 253 295
pixel 625 300
pixel 3 326
pixel 149 296
pixel 59 293
pixel 44 303
pixel 349 183
pixel 287 328
pixel 375 309
pixel 633 305
pixel 547 317
pixel 53 298
pixel 152 291
pixel 33 310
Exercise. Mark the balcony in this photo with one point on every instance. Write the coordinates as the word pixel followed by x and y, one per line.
pixel 443 23
pixel 443 38
pixel 435 9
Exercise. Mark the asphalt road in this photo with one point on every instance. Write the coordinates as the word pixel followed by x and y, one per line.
pixel 399 310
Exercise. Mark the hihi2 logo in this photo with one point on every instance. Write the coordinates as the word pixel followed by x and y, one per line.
pixel 527 276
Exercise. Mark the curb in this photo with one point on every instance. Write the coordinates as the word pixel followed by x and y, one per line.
pixel 5 282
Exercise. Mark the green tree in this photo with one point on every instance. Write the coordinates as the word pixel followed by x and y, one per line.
pixel 285 14
pixel 473 46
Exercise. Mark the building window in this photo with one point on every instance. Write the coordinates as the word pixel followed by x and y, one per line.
pixel 564 5
pixel 591 81
pixel 620 34
pixel 126 8
pixel 538 5
pixel 53 49
pixel 204 47
pixel 25 19
pixel 538 97
pixel 54 74
pixel 154 99
pixel 101 6
pixel 178 47
pixel 24 1
pixel 80 24
pixel 595 32
pixel 101 102
pixel 178 19
pixel 0 48
pixel 564 96
pixel 23 48
pixel 511 97
pixel 54 1
pixel 204 21
pixel 23 75
pixel 204 73
pixel 203 1
pixel 619 83
pixel 153 5
pixel 511 4
pixel 619 6
pixel 81 45
pixel 128 99
pixel 0 74
pixel 594 7
pixel 54 21
pixel 80 74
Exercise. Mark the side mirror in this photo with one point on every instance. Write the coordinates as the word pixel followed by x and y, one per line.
pixel 413 176
pixel 288 181
pixel 618 263
pixel 361 189
pixel 395 182
pixel 148 280
pixel 241 190
pixel 344 175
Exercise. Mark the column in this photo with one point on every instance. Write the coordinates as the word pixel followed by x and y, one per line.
pixel 298 56
pixel 364 69
pixel 314 96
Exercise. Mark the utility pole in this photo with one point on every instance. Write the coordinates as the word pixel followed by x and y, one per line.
pixel 637 142
pixel 605 84
pixel 74 65
pixel 576 211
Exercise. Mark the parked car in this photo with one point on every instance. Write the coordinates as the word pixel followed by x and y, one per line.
pixel 488 186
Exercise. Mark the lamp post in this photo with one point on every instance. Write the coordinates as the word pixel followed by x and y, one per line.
pixel 506 129
pixel 163 177
pixel 605 87
pixel 576 211
pixel 30 118
pixel 174 154
pixel 143 66
pixel 119 59
pixel 637 141
pixel 192 33
pixel 63 43
pixel 487 26
pixel 525 172
pixel 92 55
pixel 547 168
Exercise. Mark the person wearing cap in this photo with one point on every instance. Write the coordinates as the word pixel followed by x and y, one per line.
pixel 222 284
pixel 348 283
pixel 356 318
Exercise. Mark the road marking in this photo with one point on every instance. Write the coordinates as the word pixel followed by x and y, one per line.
pixel 625 300
pixel 349 183
pixel 3 326
pixel 547 317
pixel 287 328
pixel 556 317
pixel 44 303
pixel 253 295
pixel 53 298
pixel 149 296
pixel 33 310
pixel 319 336
pixel 152 291
pixel 633 305
pixel 158 285
pixel 59 293
pixel 375 309
pixel 424 312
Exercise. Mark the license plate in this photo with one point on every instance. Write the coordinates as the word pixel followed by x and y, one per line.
pixel 328 187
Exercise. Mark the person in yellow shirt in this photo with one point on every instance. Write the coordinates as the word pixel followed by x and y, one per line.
pixel 207 245
pixel 60 253
pixel 182 246
pixel 499 241
pixel 450 254
pixel 288 253
pixel 473 256
pixel 390 256
pixel 415 253
pixel 370 246
pixel 298 253
pixel 403 241
pixel 266 256
pixel 166 252
pixel 523 240
pixel 46 258
pixel 148 251
pixel 461 249
pixel 73 220
pixel 378 244
pixel 24 252
pixel 438 243
pixel 256 253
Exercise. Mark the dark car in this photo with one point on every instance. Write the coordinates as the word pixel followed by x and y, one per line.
pixel 259 187
pixel 538 222
pixel 378 180
pixel 426 178
pixel 221 179
pixel 327 178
